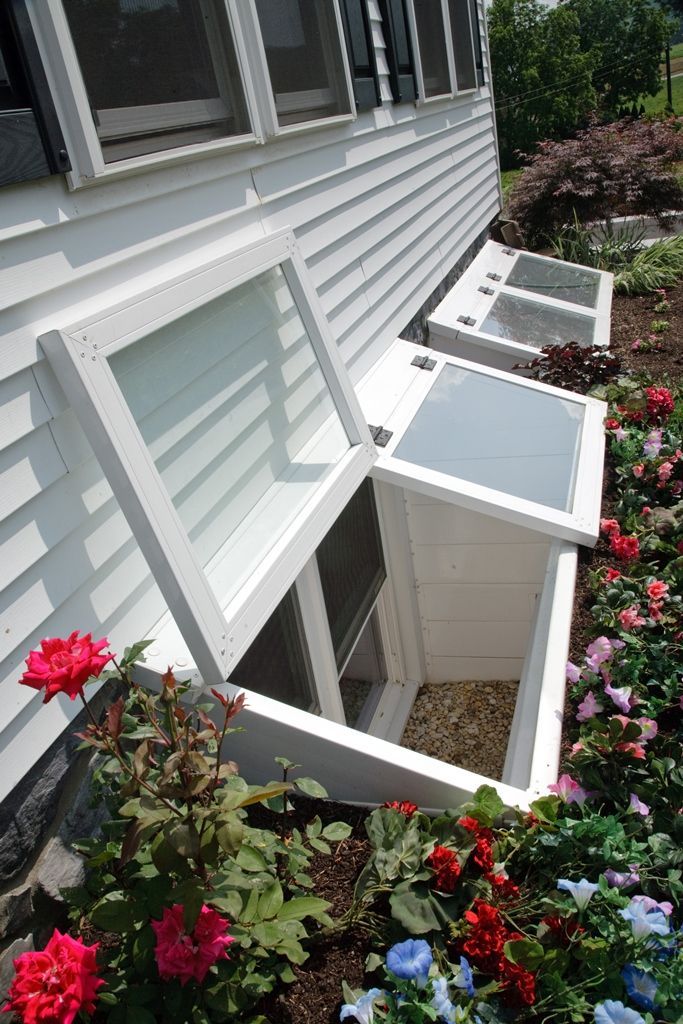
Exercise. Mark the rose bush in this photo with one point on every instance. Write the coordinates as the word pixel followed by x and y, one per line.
pixel 55 985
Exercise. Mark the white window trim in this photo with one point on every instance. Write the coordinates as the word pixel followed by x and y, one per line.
pixel 391 394
pixel 70 96
pixel 215 635
pixel 421 65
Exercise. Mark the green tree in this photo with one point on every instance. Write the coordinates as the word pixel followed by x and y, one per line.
pixel 625 39
pixel 541 75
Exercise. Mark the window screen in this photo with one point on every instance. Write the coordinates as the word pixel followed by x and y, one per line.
pixel 352 571
pixel 465 71
pixel 432 44
pixel 304 56
pixel 276 664
pixel 159 73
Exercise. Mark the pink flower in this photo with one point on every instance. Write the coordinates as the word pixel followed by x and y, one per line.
pixel 573 672
pixel 638 469
pixel 677 487
pixel 625 548
pixel 189 956
pixel 655 610
pixel 622 879
pixel 622 697
pixel 620 434
pixel 653 444
pixel 64 666
pixel 53 986
pixel 657 590
pixel 637 806
pixel 569 790
pixel 588 708
pixel 649 904
pixel 610 527
pixel 612 574
pixel 578 747
pixel 634 749
pixel 630 619
pixel 599 650
pixel 665 471
pixel 648 727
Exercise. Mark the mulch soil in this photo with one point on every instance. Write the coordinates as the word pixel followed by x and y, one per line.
pixel 315 996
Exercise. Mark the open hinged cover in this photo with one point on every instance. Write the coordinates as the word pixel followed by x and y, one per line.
pixel 226 424
pixel 488 440
pixel 520 301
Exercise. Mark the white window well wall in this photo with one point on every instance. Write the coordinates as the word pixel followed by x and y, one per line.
pixel 443 43
pixel 222 415
pixel 157 83
pixel 511 303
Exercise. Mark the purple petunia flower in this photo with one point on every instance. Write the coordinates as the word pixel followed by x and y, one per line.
pixel 637 806
pixel 621 696
pixel 641 987
pixel 410 960
pixel 614 1012
pixel 622 879
pixel 588 708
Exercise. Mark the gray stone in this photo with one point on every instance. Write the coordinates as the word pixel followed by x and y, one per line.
pixel 15 910
pixel 15 949
pixel 58 868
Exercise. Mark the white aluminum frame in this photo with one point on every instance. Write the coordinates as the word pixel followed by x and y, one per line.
pixel 391 395
pixel 423 63
pixel 70 96
pixel 216 633
pixel 466 299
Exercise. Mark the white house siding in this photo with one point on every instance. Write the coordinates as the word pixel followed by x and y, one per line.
pixel 382 209
pixel 477 582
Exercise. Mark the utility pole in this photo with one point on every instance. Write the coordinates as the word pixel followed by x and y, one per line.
pixel 669 98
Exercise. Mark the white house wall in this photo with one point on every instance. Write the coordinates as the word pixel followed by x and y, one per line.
pixel 477 580
pixel 382 209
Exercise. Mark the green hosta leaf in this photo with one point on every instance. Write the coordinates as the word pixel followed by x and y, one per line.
pixel 303 906
pixel 336 831
pixel 525 952
pixel 270 902
pixel 309 787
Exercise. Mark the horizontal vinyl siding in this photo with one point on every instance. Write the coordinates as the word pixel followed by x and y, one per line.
pixel 382 209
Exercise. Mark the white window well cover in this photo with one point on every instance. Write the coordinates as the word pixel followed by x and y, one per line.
pixel 488 440
pixel 222 415
pixel 520 302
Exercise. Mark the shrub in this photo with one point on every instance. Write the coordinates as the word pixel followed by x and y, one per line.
pixel 658 266
pixel 606 171
pixel 572 366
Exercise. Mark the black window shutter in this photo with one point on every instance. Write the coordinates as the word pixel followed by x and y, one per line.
pixel 399 51
pixel 31 142
pixel 476 32
pixel 361 54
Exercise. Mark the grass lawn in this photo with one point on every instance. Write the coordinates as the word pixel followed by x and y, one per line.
pixel 507 180
pixel 656 104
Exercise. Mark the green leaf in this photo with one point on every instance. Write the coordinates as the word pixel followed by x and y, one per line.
pixel 132 653
pixel 310 787
pixel 251 859
pixel 546 808
pixel 270 902
pixel 268 933
pixel 487 805
pixel 230 903
pixel 319 845
pixel 293 950
pixel 303 906
pixel 183 837
pixel 413 910
pixel 525 952
pixel 229 835
pixel 115 913
pixel 314 828
pixel 336 831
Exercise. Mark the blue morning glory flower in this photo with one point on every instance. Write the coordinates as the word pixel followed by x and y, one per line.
pixel 463 977
pixel 581 891
pixel 410 960
pixel 362 1009
pixel 441 1000
pixel 644 922
pixel 640 987
pixel 614 1012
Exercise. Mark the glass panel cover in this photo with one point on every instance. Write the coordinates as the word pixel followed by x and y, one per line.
pixel 159 73
pixel 238 418
pixel 556 279
pixel 497 434
pixel 531 323
pixel 303 51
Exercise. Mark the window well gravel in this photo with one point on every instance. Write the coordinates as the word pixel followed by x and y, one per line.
pixel 464 723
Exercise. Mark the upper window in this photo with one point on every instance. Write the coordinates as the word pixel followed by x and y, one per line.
pixel 445 47
pixel 223 417
pixel 158 73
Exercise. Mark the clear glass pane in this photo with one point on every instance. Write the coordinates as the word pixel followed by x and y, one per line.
pixel 351 566
pixel 239 420
pixel 557 279
pixel 431 39
pixel 159 73
pixel 304 56
pixel 533 323
pixel 465 71
pixel 361 685
pixel 276 664
pixel 499 434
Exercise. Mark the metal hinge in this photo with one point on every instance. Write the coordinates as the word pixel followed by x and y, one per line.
pixel 485 290
pixel 494 277
pixel 469 320
pixel 379 435
pixel 509 252
pixel 424 362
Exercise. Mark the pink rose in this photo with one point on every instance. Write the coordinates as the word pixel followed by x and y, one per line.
pixel 64 666
pixel 53 986
pixel 638 469
pixel 630 619
pixel 189 956
pixel 657 590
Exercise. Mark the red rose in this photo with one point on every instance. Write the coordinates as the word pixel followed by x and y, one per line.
pixel 64 666
pixel 52 986
pixel 402 806
pixel 188 956
pixel 444 864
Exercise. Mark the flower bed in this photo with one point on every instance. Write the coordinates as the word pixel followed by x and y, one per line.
pixel 569 912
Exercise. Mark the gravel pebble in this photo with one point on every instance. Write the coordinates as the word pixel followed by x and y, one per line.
pixel 464 723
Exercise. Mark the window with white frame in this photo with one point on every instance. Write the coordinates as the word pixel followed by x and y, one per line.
pixel 224 419
pixel 444 43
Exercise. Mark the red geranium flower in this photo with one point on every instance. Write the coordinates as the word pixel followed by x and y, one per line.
pixel 184 955
pixel 64 666
pixel 444 864
pixel 660 404
pixel 52 986
pixel 403 806
pixel 625 548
